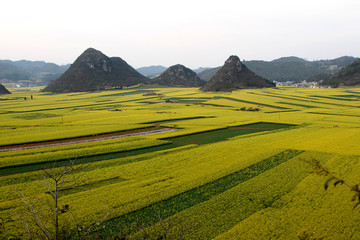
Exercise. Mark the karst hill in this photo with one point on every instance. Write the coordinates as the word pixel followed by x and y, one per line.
pixel 179 76
pixel 92 71
pixel 3 90
pixel 348 76
pixel 235 75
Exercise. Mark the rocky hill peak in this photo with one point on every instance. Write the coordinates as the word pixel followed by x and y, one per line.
pixel 179 75
pixel 95 59
pixel 234 61
pixel 180 71
pixel 92 71
pixel 235 75
pixel 233 66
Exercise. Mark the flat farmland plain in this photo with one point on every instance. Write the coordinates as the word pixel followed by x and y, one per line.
pixel 233 165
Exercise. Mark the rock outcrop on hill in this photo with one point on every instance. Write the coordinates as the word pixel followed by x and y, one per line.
pixel 348 76
pixel 235 75
pixel 3 90
pixel 93 71
pixel 179 76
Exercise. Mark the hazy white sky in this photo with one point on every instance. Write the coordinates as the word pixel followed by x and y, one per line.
pixel 190 32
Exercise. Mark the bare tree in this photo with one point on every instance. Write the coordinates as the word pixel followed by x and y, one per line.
pixel 43 213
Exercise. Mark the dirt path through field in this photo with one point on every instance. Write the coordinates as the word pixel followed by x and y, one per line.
pixel 139 132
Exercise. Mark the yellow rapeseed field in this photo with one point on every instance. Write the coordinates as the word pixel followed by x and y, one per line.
pixel 256 184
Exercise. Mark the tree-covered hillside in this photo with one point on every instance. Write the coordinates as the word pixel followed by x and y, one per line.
pixel 37 73
pixel 289 68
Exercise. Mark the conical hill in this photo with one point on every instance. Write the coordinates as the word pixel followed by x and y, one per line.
pixel 179 76
pixel 92 71
pixel 235 75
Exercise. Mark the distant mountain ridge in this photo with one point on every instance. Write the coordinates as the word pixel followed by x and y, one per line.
pixel 92 71
pixel 37 72
pixel 201 69
pixel 289 68
pixel 151 71
pixel 234 75
pixel 289 59
pixel 178 75
pixel 207 74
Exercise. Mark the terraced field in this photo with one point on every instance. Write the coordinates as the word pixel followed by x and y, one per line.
pixel 223 172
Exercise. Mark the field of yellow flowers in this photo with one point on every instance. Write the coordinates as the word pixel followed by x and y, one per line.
pixel 234 165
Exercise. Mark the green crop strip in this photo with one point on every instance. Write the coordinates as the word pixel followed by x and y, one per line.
pixel 84 159
pixel 334 114
pixel 287 97
pixel 339 98
pixel 348 96
pixel 354 92
pixel 225 133
pixel 199 138
pixel 307 100
pixel 297 104
pixel 127 93
pixel 32 116
pixel 175 120
pixel 75 106
pixel 202 193
pixel 86 187
pixel 294 110
pixel 256 103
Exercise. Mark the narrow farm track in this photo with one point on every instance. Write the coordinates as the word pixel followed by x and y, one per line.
pixel 100 137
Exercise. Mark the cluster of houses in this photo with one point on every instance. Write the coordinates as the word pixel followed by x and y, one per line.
pixel 302 84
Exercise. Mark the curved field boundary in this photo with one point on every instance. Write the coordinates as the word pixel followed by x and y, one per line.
pixel 177 120
pixel 298 105
pixel 349 98
pixel 296 98
pixel 182 201
pixel 250 102
pixel 100 136
pixel 334 114
pixel 198 138
pixel 140 132
pixel 221 134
